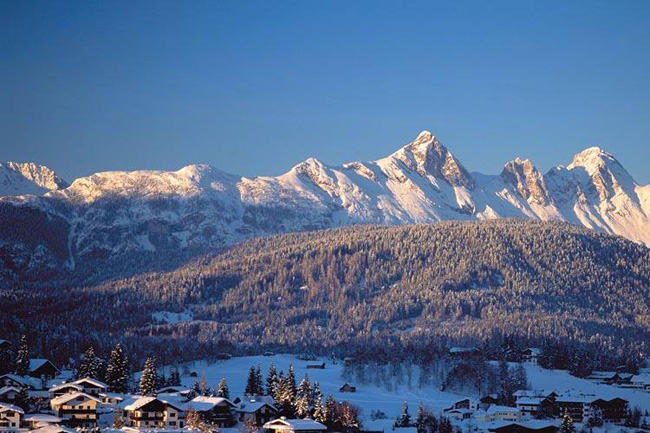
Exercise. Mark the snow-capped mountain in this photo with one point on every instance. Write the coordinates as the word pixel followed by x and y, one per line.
pixel 200 207
pixel 28 178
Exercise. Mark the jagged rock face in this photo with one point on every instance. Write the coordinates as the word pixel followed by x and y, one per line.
pixel 199 207
pixel 28 178
pixel 529 182
pixel 428 157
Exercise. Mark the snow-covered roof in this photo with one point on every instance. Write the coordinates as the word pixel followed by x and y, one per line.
pixel 172 389
pixel 577 398
pixel 253 406
pixel 530 400
pixel 92 381
pixel 532 424
pixel 54 429
pixel 67 385
pixel 5 407
pixel 534 351
pixel 294 424
pixel 62 399
pixel 496 408
pixel 6 389
pixel 41 417
pixel 36 363
pixel 202 403
pixel 136 402
pixel 16 378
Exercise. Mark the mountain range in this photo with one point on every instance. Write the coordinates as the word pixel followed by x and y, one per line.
pixel 49 225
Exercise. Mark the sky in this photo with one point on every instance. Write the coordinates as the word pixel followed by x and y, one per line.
pixel 254 87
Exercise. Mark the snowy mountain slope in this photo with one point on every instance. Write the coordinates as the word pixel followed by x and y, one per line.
pixel 28 178
pixel 200 207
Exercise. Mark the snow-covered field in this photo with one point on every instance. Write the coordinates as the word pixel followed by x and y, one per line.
pixel 372 397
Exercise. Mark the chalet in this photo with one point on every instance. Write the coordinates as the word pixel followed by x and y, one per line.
pixel 65 388
pixel 91 386
pixel 459 414
pixel 640 381
pixel 347 388
pixel 580 407
pixel 8 393
pixel 466 403
pixel 76 409
pixel 150 412
pixel 613 410
pixel 488 400
pixel 536 407
pixel 10 417
pixel 284 425
pixel 257 412
pixel 269 353
pixel 611 378
pixel 215 410
pixel 14 380
pixel 319 366
pixel 348 360
pixel 531 355
pixel 42 368
pixel 111 398
pixel 37 420
pixel 499 413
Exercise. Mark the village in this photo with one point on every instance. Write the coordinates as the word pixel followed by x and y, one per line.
pixel 47 399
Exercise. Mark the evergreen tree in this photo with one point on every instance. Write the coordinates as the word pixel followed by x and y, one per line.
pixel 251 382
pixel 304 390
pixel 302 406
pixel 567 424
pixel 421 419
pixel 117 371
pixel 88 365
pixel 291 379
pixel 285 399
pixel 330 411
pixel 405 419
pixel 259 380
pixel 175 377
pixel 22 357
pixel 320 413
pixel 272 381
pixel 6 361
pixel 149 377
pixel 223 390
pixel 22 399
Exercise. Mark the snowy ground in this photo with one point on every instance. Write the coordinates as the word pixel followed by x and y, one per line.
pixel 372 397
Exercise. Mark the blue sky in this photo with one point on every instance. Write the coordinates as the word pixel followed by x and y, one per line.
pixel 255 87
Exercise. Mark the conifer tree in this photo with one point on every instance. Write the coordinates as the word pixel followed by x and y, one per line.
pixel 117 372
pixel 175 377
pixel 304 390
pixel 285 399
pixel 149 377
pixel 88 365
pixel 259 380
pixel 405 419
pixel 223 390
pixel 320 413
pixel 22 357
pixel 291 379
pixel 272 381
pixel 251 382
pixel 330 411
pixel 22 399
pixel 421 420
pixel 567 424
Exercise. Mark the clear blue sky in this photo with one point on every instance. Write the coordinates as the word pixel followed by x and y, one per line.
pixel 255 87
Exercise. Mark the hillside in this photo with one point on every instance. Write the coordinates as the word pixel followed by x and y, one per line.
pixel 363 286
pixel 167 214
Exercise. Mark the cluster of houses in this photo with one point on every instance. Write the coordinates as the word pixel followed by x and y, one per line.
pixel 79 404
pixel 69 404
pixel 537 411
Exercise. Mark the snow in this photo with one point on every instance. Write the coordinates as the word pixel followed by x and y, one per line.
pixel 171 318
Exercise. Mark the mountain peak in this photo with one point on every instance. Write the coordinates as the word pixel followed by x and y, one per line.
pixel 528 181
pixel 18 178
pixel 427 156
pixel 592 158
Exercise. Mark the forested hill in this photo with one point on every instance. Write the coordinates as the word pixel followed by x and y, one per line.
pixel 363 286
